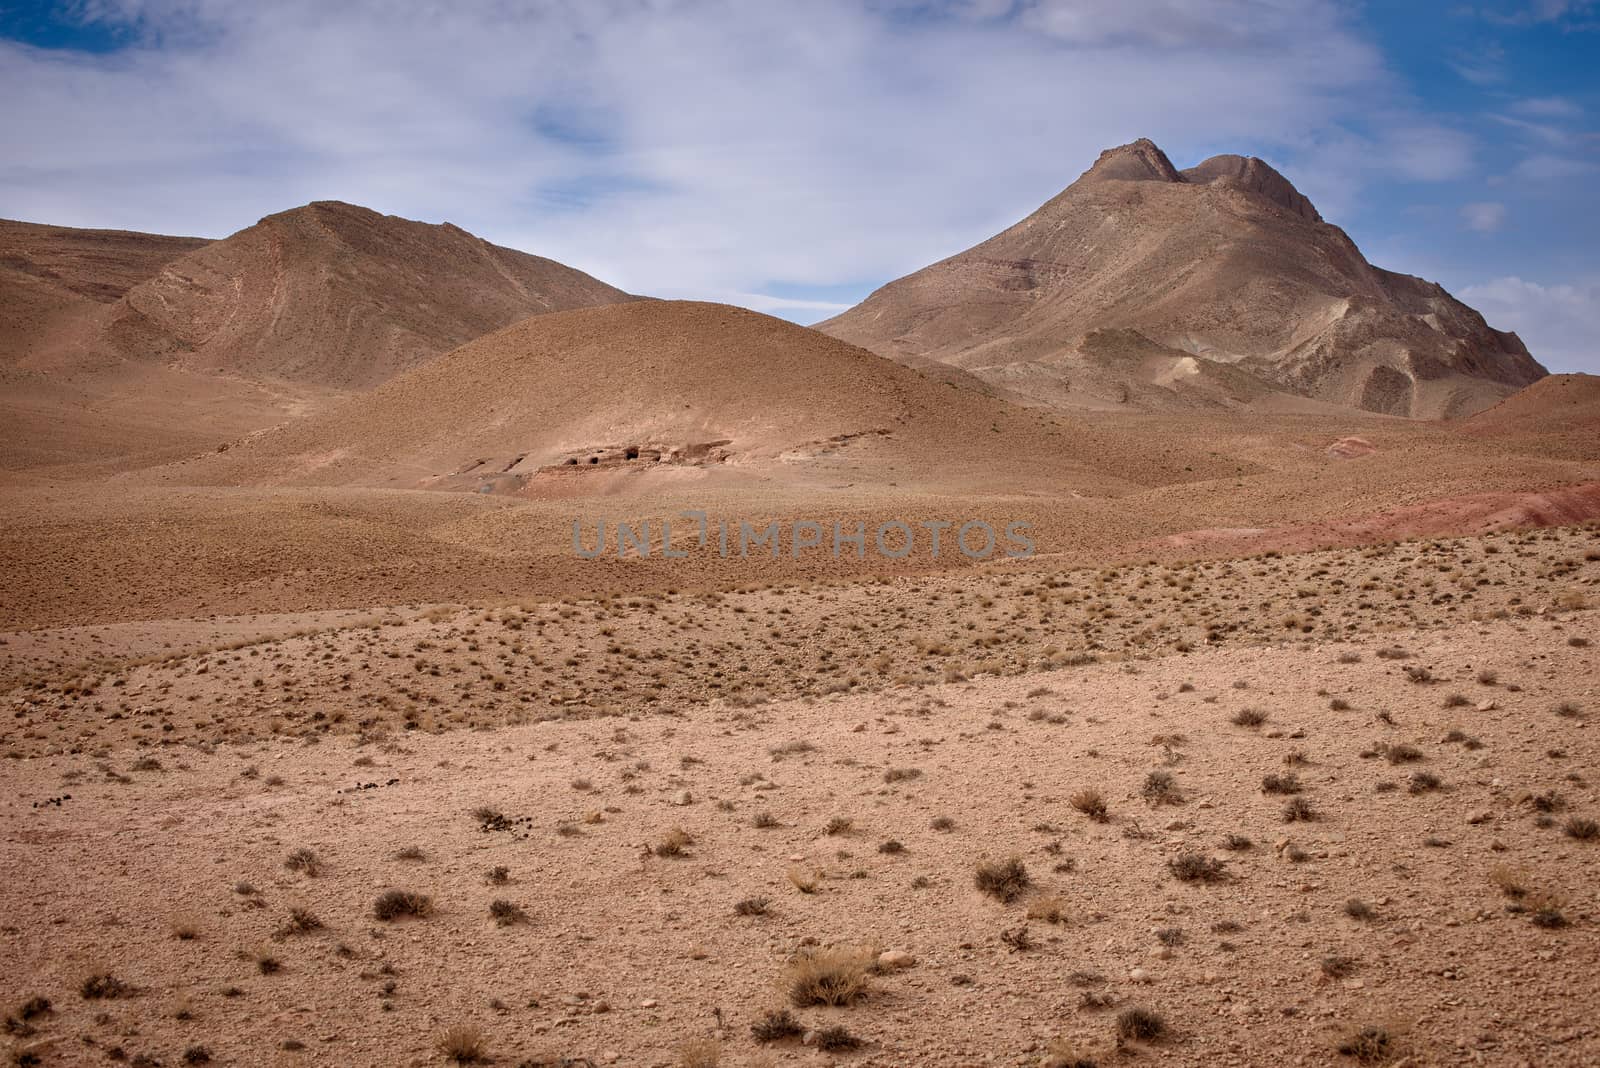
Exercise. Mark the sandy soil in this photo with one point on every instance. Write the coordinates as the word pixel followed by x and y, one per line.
pixel 167 866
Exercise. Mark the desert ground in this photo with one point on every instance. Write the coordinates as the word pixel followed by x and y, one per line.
pixel 326 745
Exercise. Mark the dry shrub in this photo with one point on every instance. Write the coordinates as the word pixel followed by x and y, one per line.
pixel 393 904
pixel 1140 1025
pixel 700 1053
pixel 1091 803
pixel 1196 868
pixel 464 1044
pixel 674 842
pixel 1051 908
pixel 1004 880
pixel 834 975
pixel 776 1025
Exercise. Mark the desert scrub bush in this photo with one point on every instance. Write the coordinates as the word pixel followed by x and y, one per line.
pixel 1357 909
pixel 803 880
pixel 700 1053
pixel 1367 1044
pixel 19 1024
pixel 301 921
pixel 1003 880
pixel 1335 966
pixel 1196 868
pixel 673 843
pixel 1061 1053
pixel 1423 782
pixel 490 819
pixel 98 985
pixel 836 1038
pixel 498 875
pixel 764 820
pixel 751 906
pixel 833 975
pixel 1298 810
pixel 1091 803
pixel 395 904
pixel 1512 882
pixel 507 913
pixel 1051 908
pixel 464 1044
pixel 776 1025
pixel 902 774
pixel 1582 829
pixel 839 825
pixel 1248 717
pixel 1161 789
pixel 1139 1025
pixel 305 861
pixel 1287 783
pixel 1236 843
pixel 1401 753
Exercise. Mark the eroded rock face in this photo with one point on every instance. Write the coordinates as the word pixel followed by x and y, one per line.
pixel 1226 262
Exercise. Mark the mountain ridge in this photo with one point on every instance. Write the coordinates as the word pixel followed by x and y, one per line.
pixel 1226 262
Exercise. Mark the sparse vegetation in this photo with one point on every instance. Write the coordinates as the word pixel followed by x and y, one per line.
pixel 1140 1025
pixel 1196 868
pixel 835 975
pixel 1161 789
pixel 1003 880
pixel 1091 803
pixel 776 1025
pixel 398 904
pixel 464 1044
pixel 305 861
pixel 674 843
pixel 98 985
pixel 507 913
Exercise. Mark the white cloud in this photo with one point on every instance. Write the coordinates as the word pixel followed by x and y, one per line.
pixel 1559 323
pixel 1546 167
pixel 687 146
pixel 1485 216
pixel 1549 107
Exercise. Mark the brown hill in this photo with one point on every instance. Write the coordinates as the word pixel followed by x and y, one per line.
pixel 658 392
pixel 51 275
pixel 1559 415
pixel 1225 262
pixel 337 296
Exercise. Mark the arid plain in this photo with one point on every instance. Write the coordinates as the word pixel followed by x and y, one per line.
pixel 327 745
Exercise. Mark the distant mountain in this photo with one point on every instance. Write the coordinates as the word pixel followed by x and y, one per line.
pixel 53 275
pixel 336 295
pixel 1220 286
pixel 121 349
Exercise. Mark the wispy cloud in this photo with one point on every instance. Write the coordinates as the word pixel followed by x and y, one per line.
pixel 697 146
pixel 1559 322
pixel 1545 167
pixel 1484 216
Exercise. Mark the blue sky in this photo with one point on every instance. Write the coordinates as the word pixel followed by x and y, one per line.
pixel 793 157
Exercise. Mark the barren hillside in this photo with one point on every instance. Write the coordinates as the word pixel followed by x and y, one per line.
pixel 1222 265
pixel 336 295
